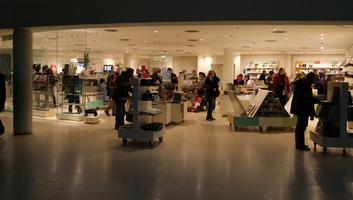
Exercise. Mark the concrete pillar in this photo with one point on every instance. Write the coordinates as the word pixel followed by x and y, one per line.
pixel 228 66
pixel 127 60
pixel 22 81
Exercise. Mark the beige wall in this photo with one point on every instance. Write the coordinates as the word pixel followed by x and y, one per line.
pixel 187 63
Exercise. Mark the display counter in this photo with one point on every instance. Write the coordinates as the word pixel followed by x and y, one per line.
pixel 171 112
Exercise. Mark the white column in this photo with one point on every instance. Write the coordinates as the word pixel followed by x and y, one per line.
pixel 228 66
pixel 237 66
pixel 22 81
pixel 127 60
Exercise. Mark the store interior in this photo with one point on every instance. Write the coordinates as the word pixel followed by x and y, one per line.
pixel 229 50
pixel 247 152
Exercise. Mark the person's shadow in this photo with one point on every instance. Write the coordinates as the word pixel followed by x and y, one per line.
pixel 321 176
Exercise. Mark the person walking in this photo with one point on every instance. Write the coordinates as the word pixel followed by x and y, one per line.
pixel 121 94
pixel 51 83
pixel 212 93
pixel 303 107
pixel 2 100
pixel 281 86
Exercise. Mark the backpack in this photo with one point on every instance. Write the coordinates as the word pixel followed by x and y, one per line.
pixel 113 83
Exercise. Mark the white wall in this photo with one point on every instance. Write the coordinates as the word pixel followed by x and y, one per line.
pixel 204 62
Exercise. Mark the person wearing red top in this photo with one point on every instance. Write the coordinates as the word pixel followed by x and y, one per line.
pixel 281 86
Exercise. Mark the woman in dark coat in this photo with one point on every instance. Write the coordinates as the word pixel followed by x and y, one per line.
pixel 212 93
pixel 303 107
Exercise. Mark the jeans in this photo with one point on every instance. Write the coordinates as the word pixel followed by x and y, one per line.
pixel 120 113
pixel 211 104
pixel 302 123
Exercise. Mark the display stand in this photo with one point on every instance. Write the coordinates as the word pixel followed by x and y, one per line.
pixel 72 98
pixel 264 111
pixel 41 102
pixel 143 114
pixel 331 130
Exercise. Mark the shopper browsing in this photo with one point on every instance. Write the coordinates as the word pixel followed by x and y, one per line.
pixel 281 86
pixel 51 83
pixel 303 107
pixel 263 76
pixel 2 100
pixel 121 94
pixel 239 80
pixel 111 84
pixel 269 80
pixel 212 92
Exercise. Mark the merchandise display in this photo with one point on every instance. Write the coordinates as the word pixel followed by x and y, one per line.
pixel 264 110
pixel 144 126
pixel 330 68
pixel 255 68
pixel 42 102
pixel 334 113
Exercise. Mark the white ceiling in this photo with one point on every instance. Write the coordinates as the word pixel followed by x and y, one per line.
pixel 173 40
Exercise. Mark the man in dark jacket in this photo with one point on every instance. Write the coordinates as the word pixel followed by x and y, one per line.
pixel 121 94
pixel 303 107
pixel 114 72
pixel 2 100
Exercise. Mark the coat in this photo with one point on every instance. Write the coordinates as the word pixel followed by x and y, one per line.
pixel 212 84
pixel 276 85
pixel 303 100
pixel 2 92
pixel 121 93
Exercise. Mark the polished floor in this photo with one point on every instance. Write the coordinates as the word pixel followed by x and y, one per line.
pixel 197 160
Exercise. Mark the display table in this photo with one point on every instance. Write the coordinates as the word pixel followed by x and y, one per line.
pixel 171 112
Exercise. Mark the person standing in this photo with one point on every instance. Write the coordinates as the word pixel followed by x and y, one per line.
pixel 51 84
pixel 303 107
pixel 269 80
pixel 112 77
pixel 212 93
pixel 281 86
pixel 263 76
pixel 121 94
pixel 2 100
pixel 239 80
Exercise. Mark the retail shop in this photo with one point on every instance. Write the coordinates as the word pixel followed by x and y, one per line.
pixel 71 66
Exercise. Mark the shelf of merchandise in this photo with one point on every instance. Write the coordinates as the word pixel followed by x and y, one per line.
pixel 140 109
pixel 255 68
pixel 330 68
pixel 41 102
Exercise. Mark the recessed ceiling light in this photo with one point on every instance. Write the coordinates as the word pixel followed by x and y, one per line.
pixel 127 51
pixel 202 39
pixel 278 31
pixel 322 35
pixel 285 38
pixel 189 45
pixel 125 39
pixel 270 40
pixel 193 40
pixel 156 31
pixel 111 30
pixel 322 38
pixel 191 31
pixel 163 56
pixel 322 48
pixel 131 45
pixel 179 50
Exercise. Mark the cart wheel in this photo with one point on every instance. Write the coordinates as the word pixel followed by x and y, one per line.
pixel 344 151
pixel 160 139
pixel 125 141
pixel 151 142
pixel 314 146
pixel 325 149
